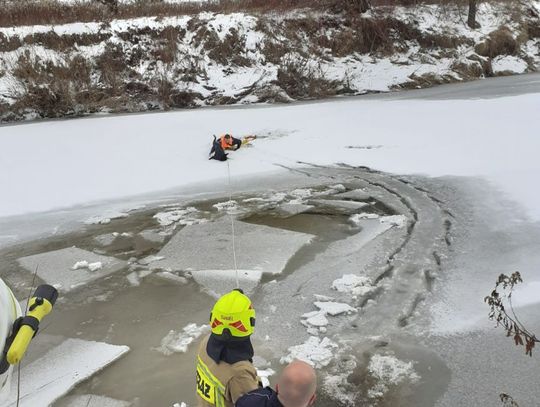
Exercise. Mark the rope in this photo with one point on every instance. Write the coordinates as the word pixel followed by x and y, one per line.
pixel 232 228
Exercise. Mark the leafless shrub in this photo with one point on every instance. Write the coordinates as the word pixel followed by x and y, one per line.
pixel 112 66
pixel 32 12
pixel 52 40
pixel 165 41
pixel 191 68
pixel 164 90
pixel 112 5
pixel 52 89
pixel 470 70
pixel 8 44
pixel 484 62
pixel 506 317
pixel 533 28
pixel 364 35
pixel 499 42
pixel 301 80
pixel 350 6
pixel 183 99
pixel 165 53
pixel 442 41
pixel 273 51
pixel 229 51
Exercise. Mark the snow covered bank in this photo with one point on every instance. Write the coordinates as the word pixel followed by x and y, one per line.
pixel 495 138
pixel 150 63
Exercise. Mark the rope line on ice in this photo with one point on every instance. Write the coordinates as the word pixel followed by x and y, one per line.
pixel 232 227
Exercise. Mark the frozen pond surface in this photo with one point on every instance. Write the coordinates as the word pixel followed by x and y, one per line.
pixel 385 297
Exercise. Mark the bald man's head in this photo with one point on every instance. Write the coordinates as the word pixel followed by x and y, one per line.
pixel 297 385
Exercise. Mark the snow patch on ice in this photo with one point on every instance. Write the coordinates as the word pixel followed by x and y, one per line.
pixel 357 218
pixel 106 218
pixel 398 221
pixel 226 206
pixel 353 284
pixel 387 370
pixel 318 318
pixel 83 264
pixel 315 318
pixel 334 308
pixel 133 279
pixel 178 342
pixel 317 352
pixel 186 216
pixel 277 197
pixel 302 193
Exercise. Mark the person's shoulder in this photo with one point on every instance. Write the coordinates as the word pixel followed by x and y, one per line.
pixel 244 366
pixel 258 397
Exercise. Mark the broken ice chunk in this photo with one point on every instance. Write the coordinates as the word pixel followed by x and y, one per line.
pixel 315 351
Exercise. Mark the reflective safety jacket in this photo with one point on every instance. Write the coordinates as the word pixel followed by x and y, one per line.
pixel 226 145
pixel 221 384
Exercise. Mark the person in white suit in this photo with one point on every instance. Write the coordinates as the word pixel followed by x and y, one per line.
pixel 10 310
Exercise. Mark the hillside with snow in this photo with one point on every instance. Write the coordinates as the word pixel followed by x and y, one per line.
pixel 212 58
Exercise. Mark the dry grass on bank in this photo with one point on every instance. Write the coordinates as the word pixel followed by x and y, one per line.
pixel 34 12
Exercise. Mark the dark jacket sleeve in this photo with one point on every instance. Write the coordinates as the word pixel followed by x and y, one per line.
pixel 242 383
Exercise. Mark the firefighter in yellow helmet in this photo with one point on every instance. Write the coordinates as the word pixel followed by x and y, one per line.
pixel 224 365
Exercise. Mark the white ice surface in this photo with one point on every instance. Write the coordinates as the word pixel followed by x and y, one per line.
pixel 494 138
pixel 170 149
pixel 59 370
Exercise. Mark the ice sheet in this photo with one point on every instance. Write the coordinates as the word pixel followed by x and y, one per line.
pixel 59 370
pixel 92 400
pixel 208 246
pixel 56 267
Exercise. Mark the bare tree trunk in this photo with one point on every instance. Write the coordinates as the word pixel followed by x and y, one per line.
pixel 111 4
pixel 350 6
pixel 471 21
pixel 363 5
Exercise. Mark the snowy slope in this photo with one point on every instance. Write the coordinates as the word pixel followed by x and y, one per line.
pixel 59 164
pixel 150 63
